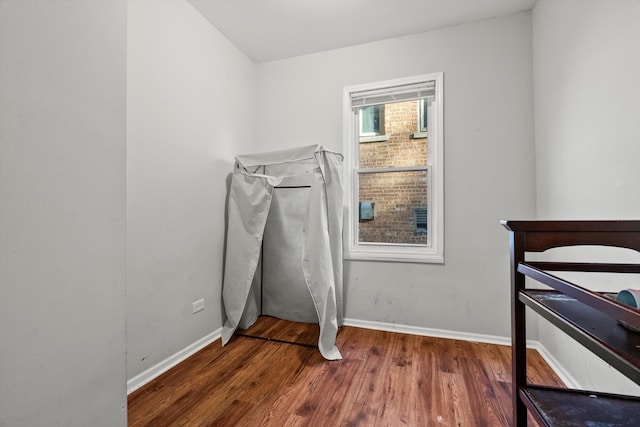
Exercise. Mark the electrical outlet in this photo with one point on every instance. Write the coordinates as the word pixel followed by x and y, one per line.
pixel 198 306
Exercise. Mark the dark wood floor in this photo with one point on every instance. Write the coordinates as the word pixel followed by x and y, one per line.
pixel 384 379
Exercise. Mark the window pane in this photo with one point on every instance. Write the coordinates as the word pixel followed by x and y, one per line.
pixel 400 149
pixel 423 115
pixel 396 197
pixel 371 120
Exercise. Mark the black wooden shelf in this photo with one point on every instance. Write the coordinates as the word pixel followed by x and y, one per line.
pixel 591 318
pixel 578 408
pixel 601 334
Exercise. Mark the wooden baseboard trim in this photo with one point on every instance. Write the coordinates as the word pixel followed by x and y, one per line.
pixel 143 378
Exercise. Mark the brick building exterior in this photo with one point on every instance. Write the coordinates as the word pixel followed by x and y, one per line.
pixel 400 197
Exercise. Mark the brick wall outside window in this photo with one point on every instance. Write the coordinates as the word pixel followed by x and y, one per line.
pixel 396 194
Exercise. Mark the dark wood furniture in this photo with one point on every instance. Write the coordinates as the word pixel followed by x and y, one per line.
pixel 591 318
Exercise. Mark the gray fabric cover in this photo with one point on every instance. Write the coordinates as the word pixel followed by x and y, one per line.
pixel 290 200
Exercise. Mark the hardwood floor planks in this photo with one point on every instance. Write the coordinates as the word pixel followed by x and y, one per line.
pixel 480 392
pixel 384 379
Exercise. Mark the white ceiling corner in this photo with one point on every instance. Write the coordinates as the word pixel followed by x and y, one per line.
pixel 267 30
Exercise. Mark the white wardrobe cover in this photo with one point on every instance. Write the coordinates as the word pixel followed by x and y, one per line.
pixel 319 237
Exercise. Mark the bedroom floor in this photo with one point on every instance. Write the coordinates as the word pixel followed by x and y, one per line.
pixel 384 379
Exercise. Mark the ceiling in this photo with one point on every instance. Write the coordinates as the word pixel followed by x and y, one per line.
pixel 267 30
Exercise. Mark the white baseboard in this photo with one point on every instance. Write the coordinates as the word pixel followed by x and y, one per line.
pixel 162 367
pixel 557 367
pixel 428 332
pixel 553 363
pixel 158 369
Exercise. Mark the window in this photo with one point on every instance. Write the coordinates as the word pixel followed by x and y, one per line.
pixel 372 120
pixel 423 112
pixel 422 115
pixel 394 185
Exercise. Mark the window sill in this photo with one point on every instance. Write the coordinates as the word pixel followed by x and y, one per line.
pixel 418 135
pixel 395 256
pixel 375 138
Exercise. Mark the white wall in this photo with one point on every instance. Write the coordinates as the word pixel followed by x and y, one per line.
pixel 489 162
pixel 62 213
pixel 587 105
pixel 190 111
pixel 190 102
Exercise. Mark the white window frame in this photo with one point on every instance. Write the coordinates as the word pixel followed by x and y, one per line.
pixel 433 251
